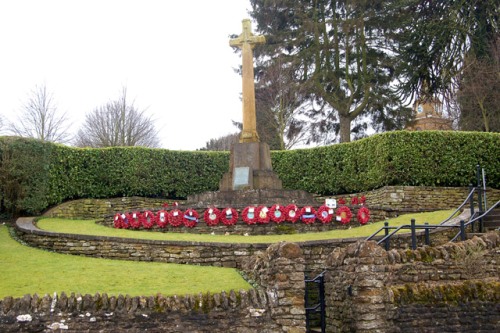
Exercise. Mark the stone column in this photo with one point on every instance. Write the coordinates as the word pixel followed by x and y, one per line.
pixel 246 42
pixel 280 272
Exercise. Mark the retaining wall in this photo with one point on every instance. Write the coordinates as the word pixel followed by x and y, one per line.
pixel 431 289
pixel 387 198
pixel 278 306
pixel 195 253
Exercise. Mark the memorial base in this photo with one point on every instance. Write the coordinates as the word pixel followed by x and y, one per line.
pixel 243 198
pixel 250 168
pixel 250 181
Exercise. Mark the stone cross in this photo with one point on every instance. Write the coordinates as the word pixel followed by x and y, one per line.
pixel 246 42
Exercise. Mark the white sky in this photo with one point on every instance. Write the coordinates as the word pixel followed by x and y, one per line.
pixel 173 57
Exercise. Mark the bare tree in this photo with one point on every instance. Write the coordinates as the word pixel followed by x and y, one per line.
pixel 479 92
pixel 40 119
pixel 1 123
pixel 280 102
pixel 222 143
pixel 117 123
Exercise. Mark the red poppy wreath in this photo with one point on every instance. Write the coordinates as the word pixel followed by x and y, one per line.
pixel 162 218
pixel 325 214
pixel 229 216
pixel 211 216
pixel 249 215
pixel 190 218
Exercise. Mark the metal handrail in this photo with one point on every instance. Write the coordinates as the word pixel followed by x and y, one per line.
pixel 484 214
pixel 471 193
pixel 477 218
pixel 406 226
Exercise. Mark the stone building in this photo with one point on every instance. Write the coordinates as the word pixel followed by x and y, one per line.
pixel 429 116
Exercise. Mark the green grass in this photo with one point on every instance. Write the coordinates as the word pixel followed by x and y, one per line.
pixel 27 270
pixel 89 227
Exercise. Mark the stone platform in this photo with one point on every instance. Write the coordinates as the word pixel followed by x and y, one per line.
pixel 243 198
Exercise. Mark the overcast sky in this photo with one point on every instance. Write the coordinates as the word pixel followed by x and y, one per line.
pixel 173 57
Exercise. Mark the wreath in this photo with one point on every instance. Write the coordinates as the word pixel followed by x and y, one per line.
pixel 211 216
pixel 277 213
pixel 344 214
pixel 354 201
pixel 362 199
pixel 119 222
pixel 341 201
pixel 175 217
pixel 325 214
pixel 363 215
pixel 292 213
pixel 134 220
pixel 263 215
pixel 229 216
pixel 162 218
pixel 248 215
pixel 148 219
pixel 190 218
pixel 308 214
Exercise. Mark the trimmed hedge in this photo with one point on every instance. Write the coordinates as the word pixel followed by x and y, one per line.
pixel 36 175
pixel 423 158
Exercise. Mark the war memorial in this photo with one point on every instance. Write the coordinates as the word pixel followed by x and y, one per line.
pixel 414 281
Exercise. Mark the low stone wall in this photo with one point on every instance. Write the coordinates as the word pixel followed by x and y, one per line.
pixel 421 198
pixel 277 307
pixel 98 208
pixel 463 307
pixel 369 289
pixel 180 252
pixel 232 312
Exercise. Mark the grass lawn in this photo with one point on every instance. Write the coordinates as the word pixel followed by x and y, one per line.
pixel 89 227
pixel 27 270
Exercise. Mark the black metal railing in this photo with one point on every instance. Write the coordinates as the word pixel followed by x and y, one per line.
pixel 315 303
pixel 475 216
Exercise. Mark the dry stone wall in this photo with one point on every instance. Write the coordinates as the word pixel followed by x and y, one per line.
pixel 386 202
pixel 277 306
pixel 370 289
pixel 280 272
pixel 230 312
pixel 98 208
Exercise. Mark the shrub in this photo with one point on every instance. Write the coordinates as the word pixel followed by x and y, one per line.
pixel 35 175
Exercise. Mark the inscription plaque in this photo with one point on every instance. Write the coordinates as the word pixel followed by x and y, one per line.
pixel 241 178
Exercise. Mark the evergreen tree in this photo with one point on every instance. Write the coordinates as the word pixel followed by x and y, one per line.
pixel 339 53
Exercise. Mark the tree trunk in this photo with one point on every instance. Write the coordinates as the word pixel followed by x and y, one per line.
pixel 345 128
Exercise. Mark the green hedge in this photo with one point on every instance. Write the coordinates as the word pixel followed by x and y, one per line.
pixel 428 158
pixel 36 175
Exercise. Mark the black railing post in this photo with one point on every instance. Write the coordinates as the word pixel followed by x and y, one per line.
pixel 484 190
pixel 427 234
pixel 413 235
pixel 387 240
pixel 462 230
pixel 479 196
pixel 478 175
pixel 471 200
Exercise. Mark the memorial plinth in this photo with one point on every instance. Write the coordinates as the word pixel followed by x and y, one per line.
pixel 250 168
pixel 242 198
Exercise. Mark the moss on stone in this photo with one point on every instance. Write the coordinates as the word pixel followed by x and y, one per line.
pixel 448 293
